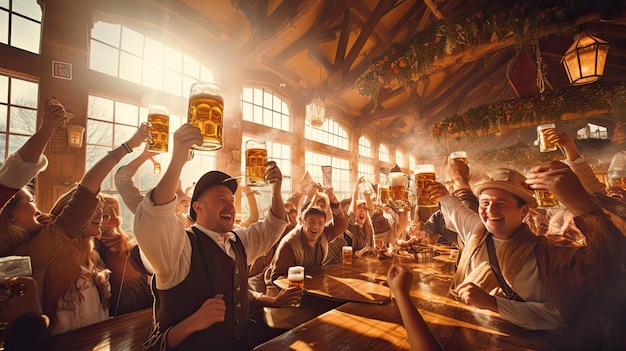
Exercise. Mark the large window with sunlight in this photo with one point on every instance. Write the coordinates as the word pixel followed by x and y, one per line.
pixel 18 113
pixel 122 52
pixel 263 107
pixel 340 174
pixel 400 158
pixel 330 133
pixel 20 24
pixel 412 163
pixel 383 153
pixel 365 147
pixel 592 131
pixel 366 171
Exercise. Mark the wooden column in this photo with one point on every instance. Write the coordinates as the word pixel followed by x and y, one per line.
pixel 65 38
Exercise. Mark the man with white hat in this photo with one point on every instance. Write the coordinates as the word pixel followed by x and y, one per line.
pixel 530 281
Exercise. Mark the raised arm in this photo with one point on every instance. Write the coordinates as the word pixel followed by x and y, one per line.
pixel 53 115
pixel 274 177
pixel 131 196
pixel 420 336
pixel 92 180
pixel 252 205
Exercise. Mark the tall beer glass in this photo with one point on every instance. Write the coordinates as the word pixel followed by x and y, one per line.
pixel 256 157
pixel 424 177
pixel 295 275
pixel 545 198
pixel 206 111
pixel 383 193
pixel 396 186
pixel 459 155
pixel 544 145
pixel 159 125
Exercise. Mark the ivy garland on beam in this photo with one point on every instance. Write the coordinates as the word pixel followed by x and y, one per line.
pixel 553 106
pixel 404 62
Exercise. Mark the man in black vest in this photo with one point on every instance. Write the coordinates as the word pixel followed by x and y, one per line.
pixel 201 275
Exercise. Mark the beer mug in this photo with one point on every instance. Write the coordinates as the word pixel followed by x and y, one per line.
pixel 383 193
pixel 206 111
pixel 425 177
pixel 295 275
pixel 545 198
pixel 396 186
pixel 346 253
pixel 545 146
pixel 459 155
pixel 256 157
pixel 159 126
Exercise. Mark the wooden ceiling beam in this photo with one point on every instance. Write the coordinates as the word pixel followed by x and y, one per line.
pixel 343 38
pixel 433 8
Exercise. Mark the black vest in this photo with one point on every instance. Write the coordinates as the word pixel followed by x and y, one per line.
pixel 211 272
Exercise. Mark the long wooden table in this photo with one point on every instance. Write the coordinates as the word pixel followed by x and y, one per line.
pixel 371 326
pixel 126 332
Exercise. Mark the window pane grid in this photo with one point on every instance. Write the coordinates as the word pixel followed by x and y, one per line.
pixel 400 158
pixel 330 133
pixel 18 113
pixel 366 171
pixel 127 54
pixel 383 153
pixel 365 147
pixel 21 25
pixel 340 172
pixel 263 107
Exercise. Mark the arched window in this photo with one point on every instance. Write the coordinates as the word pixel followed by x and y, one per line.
pixel 314 161
pixel 365 147
pixel 400 158
pixel 383 153
pixel 592 131
pixel 330 133
pixel 263 107
pixel 20 24
pixel 122 52
pixel 18 113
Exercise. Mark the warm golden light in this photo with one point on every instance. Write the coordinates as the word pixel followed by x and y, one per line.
pixel 75 135
pixel 316 112
pixel 584 60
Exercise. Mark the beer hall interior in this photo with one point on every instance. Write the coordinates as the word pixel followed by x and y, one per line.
pixel 359 85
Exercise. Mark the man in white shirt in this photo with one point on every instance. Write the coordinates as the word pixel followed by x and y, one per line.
pixel 201 275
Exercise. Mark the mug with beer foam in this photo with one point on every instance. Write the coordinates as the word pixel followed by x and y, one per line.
pixel 295 275
pixel 159 126
pixel 383 193
pixel 346 254
pixel 206 111
pixel 256 157
pixel 544 145
pixel 396 186
pixel 459 155
pixel 425 177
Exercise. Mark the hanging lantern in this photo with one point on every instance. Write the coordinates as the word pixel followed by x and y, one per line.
pixel 584 60
pixel 75 135
pixel 316 112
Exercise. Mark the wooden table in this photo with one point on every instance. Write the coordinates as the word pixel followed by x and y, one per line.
pixel 126 332
pixel 368 326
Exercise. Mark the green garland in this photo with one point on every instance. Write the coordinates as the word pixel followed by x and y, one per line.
pixel 535 110
pixel 403 62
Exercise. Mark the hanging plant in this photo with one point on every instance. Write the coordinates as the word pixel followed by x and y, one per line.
pixel 404 62
pixel 567 103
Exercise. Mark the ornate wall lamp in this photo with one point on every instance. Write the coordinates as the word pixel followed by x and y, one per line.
pixel 584 60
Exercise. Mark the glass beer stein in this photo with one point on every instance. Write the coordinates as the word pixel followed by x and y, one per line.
pixel 396 186
pixel 295 275
pixel 206 111
pixel 424 177
pixel 544 145
pixel 159 125
pixel 256 157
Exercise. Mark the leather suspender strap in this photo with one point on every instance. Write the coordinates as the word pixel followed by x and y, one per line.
pixel 493 262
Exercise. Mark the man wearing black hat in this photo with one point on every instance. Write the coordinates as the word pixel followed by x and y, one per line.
pixel 201 275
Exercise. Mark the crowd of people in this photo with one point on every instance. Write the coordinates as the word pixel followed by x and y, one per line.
pixel 531 267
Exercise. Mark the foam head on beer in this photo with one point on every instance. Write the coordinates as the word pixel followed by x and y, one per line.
pixel 295 275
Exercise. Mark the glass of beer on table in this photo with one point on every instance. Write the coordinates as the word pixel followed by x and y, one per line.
pixel 346 253
pixel 159 126
pixel 459 155
pixel 256 157
pixel 544 145
pixel 425 177
pixel 295 275
pixel 206 111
